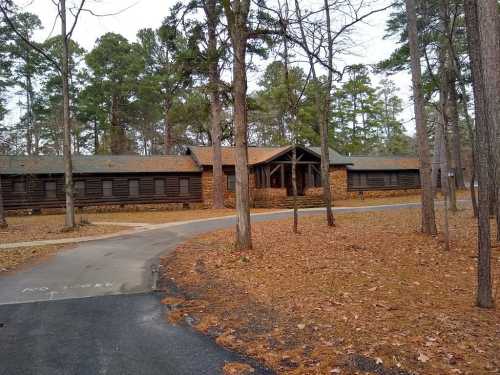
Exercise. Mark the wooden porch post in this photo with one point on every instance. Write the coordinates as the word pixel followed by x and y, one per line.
pixel 268 176
pixel 310 182
pixel 282 175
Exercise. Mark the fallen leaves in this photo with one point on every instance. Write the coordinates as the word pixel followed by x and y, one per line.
pixel 234 368
pixel 49 227
pixel 14 258
pixel 302 303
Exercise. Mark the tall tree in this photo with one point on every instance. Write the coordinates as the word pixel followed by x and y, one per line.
pixel 322 100
pixel 116 65
pixel 237 13
pixel 481 19
pixel 213 14
pixel 63 66
pixel 428 213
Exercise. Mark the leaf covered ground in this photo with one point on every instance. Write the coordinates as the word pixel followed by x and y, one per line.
pixel 150 217
pixel 413 198
pixel 369 296
pixel 14 258
pixel 49 227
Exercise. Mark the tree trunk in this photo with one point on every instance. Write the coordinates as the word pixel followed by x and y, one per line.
pixel 325 161
pixel 487 19
pixel 215 103
pixel 456 144
pixel 3 222
pixel 68 167
pixel 475 35
pixel 118 137
pixel 294 190
pixel 436 157
pixel 237 15
pixel 167 135
pixel 446 50
pixel 470 129
pixel 323 125
pixel 428 213
pixel 96 138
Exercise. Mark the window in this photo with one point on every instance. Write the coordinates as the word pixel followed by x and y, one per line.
pixel 107 188
pixel 19 187
pixel 375 180
pixel 51 190
pixel 159 186
pixel 80 188
pixel 184 186
pixel 133 188
pixel 394 179
pixel 231 182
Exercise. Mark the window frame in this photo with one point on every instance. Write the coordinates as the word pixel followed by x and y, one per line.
pixel 231 182
pixel 23 191
pixel 79 193
pixel 164 185
pixel 46 191
pixel 184 193
pixel 103 182
pixel 137 193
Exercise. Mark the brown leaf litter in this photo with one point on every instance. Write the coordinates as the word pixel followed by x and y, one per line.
pixel 372 295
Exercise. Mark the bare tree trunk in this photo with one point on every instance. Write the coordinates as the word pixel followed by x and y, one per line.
pixel 446 111
pixel 476 38
pixel 3 222
pixel 436 157
pixel 96 138
pixel 117 133
pixel 323 125
pixel 446 50
pixel 487 17
pixel 470 129
pixel 68 167
pixel 456 144
pixel 428 213
pixel 167 136
pixel 215 103
pixel 294 190
pixel 237 15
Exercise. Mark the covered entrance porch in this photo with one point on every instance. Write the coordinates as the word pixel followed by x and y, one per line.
pixel 274 177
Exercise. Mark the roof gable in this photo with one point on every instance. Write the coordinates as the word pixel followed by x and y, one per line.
pixel 256 155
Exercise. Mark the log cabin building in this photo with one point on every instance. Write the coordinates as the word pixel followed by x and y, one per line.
pixel 175 181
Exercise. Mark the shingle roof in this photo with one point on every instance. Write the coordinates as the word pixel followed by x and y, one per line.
pixel 374 163
pixel 335 157
pixel 97 164
pixel 256 155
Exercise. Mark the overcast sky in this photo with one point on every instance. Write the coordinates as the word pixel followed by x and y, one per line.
pixel 136 14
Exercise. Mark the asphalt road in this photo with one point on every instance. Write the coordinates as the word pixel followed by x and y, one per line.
pixel 47 328
pixel 112 335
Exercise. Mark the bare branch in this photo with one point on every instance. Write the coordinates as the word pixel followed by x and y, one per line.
pixel 26 40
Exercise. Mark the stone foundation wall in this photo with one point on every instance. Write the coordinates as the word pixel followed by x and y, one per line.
pixel 313 192
pixel 269 193
pixel 382 193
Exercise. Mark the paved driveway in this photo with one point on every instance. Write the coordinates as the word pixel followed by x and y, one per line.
pixel 113 335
